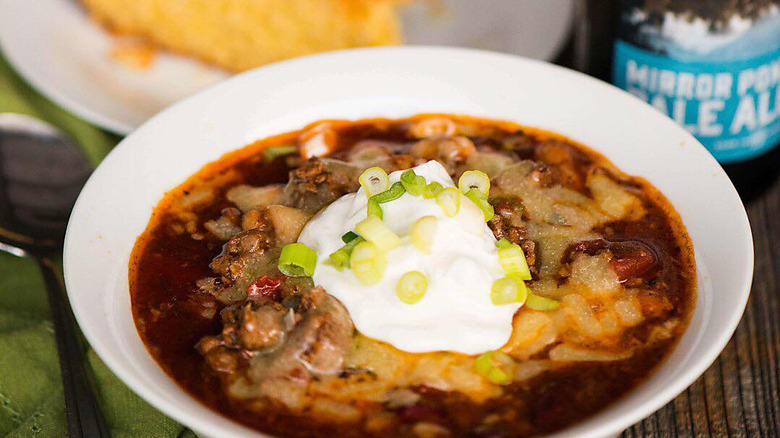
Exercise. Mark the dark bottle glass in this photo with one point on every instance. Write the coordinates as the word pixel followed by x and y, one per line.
pixel 712 66
pixel 594 36
pixel 752 177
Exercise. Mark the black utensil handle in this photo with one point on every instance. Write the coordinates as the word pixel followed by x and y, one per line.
pixel 83 412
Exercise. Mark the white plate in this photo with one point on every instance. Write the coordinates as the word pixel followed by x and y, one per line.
pixel 117 201
pixel 58 49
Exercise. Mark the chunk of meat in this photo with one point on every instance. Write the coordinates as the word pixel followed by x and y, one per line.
pixel 507 223
pixel 243 259
pixel 316 345
pixel 237 252
pixel 322 338
pixel 248 329
pixel 318 182
pixel 261 328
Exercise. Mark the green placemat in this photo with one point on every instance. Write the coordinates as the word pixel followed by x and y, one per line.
pixel 31 399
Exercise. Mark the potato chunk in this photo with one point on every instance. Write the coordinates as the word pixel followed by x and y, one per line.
pixel 247 197
pixel 287 221
pixel 613 199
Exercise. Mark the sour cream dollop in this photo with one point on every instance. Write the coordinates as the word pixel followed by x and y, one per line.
pixel 456 313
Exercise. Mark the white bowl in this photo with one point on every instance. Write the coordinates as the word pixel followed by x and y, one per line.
pixel 117 201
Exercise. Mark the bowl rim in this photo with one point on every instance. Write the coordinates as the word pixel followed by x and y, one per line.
pixel 658 400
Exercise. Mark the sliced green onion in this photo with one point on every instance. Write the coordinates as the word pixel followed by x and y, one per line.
pixel 431 190
pixel 422 233
pixel 374 181
pixel 368 263
pixel 340 259
pixel 413 183
pixel 394 192
pixel 352 244
pixel 375 231
pixel 408 176
pixel 474 179
pixel 420 182
pixel 503 243
pixel 411 287
pixel 297 260
pixel 449 201
pixel 476 197
pixel 272 152
pixel 496 367
pixel 536 302
pixel 522 290
pixel 504 291
pixel 373 208
pixel 512 260
pixel 349 236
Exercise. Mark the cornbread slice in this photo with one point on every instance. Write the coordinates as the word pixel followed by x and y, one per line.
pixel 241 34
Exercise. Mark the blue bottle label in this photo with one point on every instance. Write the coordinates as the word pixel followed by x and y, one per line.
pixel 728 97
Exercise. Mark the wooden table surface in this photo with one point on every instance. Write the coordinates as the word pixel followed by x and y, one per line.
pixel 739 395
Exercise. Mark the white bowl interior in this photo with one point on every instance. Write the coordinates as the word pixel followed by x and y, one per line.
pixel 116 203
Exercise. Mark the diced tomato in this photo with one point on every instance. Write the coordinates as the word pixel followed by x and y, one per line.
pixel 265 286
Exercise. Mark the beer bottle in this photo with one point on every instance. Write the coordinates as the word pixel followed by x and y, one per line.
pixel 712 66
